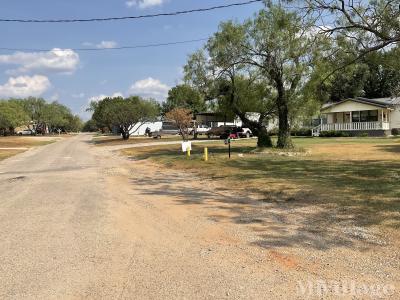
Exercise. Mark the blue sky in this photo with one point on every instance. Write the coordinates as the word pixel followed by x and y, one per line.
pixel 73 78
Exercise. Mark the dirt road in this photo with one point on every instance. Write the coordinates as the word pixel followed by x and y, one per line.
pixel 77 221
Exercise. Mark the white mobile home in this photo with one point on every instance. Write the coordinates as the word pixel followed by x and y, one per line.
pixel 140 128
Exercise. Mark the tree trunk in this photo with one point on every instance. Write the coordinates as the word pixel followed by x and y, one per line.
pixel 264 140
pixel 125 133
pixel 195 133
pixel 284 140
pixel 125 136
pixel 257 128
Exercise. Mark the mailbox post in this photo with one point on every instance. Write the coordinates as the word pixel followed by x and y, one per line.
pixel 228 142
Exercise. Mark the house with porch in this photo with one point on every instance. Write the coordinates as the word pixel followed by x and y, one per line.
pixel 356 116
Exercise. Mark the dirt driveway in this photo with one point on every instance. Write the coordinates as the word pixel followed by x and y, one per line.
pixel 77 221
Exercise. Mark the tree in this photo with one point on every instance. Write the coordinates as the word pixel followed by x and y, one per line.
pixel 281 45
pixel 39 115
pixel 12 115
pixel 56 116
pixel 370 25
pixel 237 82
pixel 376 75
pixel 75 123
pixel 101 114
pixel 224 78
pixel 383 76
pixel 90 126
pixel 348 83
pixel 125 114
pixel 183 118
pixel 184 96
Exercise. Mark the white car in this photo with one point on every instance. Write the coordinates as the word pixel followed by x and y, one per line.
pixel 245 132
pixel 26 132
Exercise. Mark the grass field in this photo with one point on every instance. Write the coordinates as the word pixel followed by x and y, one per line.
pixel 20 142
pixel 113 140
pixel 358 174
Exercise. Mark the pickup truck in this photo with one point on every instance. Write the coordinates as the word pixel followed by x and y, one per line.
pixel 224 132
pixel 245 133
pixel 221 131
pixel 201 129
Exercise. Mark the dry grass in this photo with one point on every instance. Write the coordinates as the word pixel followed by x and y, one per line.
pixel 112 140
pixel 361 175
pixel 21 142
pixel 115 140
pixel 8 153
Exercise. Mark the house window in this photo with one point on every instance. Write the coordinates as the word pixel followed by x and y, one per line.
pixel 369 116
pixel 365 116
pixel 355 116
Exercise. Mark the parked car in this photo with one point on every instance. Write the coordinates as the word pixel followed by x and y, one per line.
pixel 167 128
pixel 245 132
pixel 222 131
pixel 232 133
pixel 26 132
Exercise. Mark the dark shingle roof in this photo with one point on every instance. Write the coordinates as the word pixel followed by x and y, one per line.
pixel 385 101
pixel 381 102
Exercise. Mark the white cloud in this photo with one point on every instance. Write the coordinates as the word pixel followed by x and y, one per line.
pixel 103 96
pixel 25 86
pixel 148 88
pixel 101 45
pixel 107 45
pixel 151 88
pixel 142 4
pixel 56 60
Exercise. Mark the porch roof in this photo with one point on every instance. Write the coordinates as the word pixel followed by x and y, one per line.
pixel 377 102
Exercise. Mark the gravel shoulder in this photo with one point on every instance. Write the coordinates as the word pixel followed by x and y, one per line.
pixel 79 221
pixel 278 246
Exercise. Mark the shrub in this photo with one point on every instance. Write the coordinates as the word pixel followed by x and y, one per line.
pixel 333 133
pixel 396 131
pixel 301 132
pixel 364 134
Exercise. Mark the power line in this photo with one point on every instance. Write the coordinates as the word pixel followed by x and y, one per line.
pixel 109 49
pixel 182 12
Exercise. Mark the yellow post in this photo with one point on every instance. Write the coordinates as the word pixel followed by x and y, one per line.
pixel 205 154
pixel 188 153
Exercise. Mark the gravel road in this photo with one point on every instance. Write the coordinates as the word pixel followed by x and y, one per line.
pixel 78 221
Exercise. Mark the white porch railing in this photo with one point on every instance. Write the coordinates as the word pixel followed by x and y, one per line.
pixel 355 126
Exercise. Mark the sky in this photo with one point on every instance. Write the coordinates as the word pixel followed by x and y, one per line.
pixel 75 78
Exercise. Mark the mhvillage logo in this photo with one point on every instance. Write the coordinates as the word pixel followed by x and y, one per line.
pixel 343 288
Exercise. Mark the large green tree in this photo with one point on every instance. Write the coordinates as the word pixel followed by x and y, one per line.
pixel 357 28
pixel 184 96
pixel 12 115
pixel 125 114
pixel 375 75
pixel 281 44
pixel 229 84
pixel 42 115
